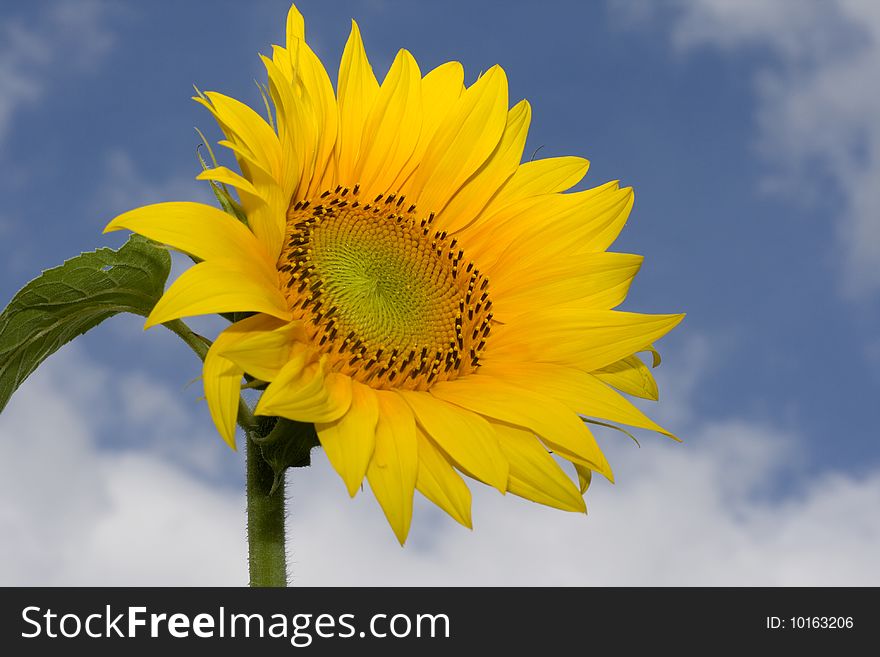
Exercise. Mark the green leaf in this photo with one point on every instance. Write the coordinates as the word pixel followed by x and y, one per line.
pixel 287 444
pixel 65 302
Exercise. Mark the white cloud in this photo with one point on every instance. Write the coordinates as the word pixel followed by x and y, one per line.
pixel 679 515
pixel 66 37
pixel 73 513
pixel 819 110
pixel 705 512
pixel 797 29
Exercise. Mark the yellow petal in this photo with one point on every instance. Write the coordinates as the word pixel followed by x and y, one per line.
pixel 394 467
pixel 465 436
pixel 595 280
pixel 304 392
pixel 262 345
pixel 533 472
pixel 585 477
pixel 466 206
pixel 261 147
pixel 250 197
pixel 297 130
pixel 606 223
pixel 630 375
pixel 655 355
pixel 554 423
pixel 222 375
pixel 296 26
pixel 441 88
pixel 577 337
pixel 321 101
pixel 540 229
pixel 200 230
pixel 266 219
pixel 258 152
pixel 578 390
pixel 267 215
pixel 222 382
pixel 392 127
pixel 315 91
pixel 357 89
pixel 220 286
pixel 350 440
pixel 252 167
pixel 439 482
pixel 307 113
pixel 463 142
pixel 539 177
pixel 243 125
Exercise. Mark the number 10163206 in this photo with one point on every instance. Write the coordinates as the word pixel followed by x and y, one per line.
pixel 810 623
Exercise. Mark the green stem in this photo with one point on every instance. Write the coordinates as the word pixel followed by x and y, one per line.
pixel 267 557
pixel 265 512
pixel 193 340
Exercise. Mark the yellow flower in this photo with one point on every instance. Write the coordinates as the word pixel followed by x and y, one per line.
pixel 432 305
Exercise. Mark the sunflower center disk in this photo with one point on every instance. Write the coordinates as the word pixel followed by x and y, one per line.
pixel 390 300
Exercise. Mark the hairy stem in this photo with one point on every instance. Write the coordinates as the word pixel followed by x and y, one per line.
pixel 267 558
pixel 265 511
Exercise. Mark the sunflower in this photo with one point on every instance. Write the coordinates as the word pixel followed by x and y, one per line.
pixel 434 306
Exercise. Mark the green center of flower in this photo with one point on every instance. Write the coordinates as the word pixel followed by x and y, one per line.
pixel 387 297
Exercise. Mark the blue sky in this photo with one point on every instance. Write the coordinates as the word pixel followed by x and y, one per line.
pixel 750 134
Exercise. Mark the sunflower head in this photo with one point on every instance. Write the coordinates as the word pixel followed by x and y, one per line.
pixel 436 307
pixel 389 299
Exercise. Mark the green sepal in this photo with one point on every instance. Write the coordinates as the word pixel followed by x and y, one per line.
pixel 66 301
pixel 285 444
pixel 615 427
pixel 236 316
pixel 221 191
